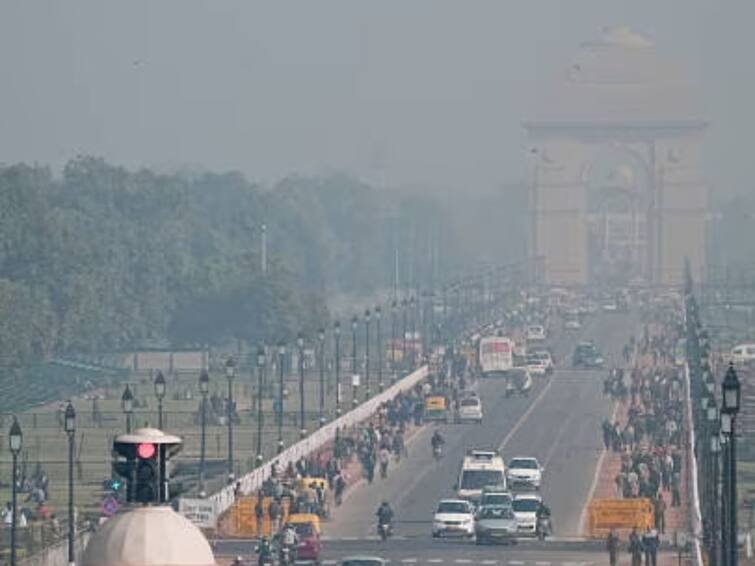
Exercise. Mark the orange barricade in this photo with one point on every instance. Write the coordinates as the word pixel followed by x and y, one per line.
pixel 245 518
pixel 622 515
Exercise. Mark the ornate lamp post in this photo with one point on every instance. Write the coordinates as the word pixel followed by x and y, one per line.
pixel 354 378
pixel 160 394
pixel 204 388
pixel 711 416
pixel 15 443
pixel 321 362
pixel 337 336
pixel 230 374
pixel 127 404
pixel 70 428
pixel 302 424
pixel 731 393
pixel 394 305
pixel 379 339
pixel 261 361
pixel 281 355
pixel 367 316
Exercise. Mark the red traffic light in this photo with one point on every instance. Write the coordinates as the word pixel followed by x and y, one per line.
pixel 145 450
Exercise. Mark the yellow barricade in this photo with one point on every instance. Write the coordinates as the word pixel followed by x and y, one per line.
pixel 245 518
pixel 622 515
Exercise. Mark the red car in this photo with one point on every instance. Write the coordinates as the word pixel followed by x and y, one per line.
pixel 309 543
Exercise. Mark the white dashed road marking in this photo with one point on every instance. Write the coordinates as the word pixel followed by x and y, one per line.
pixel 409 560
pixel 515 562
pixel 463 561
pixel 434 560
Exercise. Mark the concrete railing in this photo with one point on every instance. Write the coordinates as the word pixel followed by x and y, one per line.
pixel 205 512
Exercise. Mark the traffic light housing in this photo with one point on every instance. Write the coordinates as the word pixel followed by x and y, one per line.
pixel 140 460
pixel 147 488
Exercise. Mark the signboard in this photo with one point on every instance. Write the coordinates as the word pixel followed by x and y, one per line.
pixel 619 514
pixel 355 380
pixel 201 512
pixel 109 506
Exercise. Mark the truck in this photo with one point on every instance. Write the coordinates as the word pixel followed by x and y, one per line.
pixel 496 354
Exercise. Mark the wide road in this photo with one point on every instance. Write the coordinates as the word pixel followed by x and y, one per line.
pixel 559 423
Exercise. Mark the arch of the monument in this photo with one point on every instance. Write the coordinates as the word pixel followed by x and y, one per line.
pixel 617 191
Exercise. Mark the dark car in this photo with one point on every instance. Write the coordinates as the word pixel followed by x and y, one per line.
pixel 586 355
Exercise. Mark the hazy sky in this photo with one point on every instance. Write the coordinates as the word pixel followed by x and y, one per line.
pixel 429 92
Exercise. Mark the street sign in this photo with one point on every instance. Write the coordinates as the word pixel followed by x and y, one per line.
pixel 109 506
pixel 355 380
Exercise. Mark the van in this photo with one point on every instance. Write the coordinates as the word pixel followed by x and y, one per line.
pixel 480 468
pixel 743 353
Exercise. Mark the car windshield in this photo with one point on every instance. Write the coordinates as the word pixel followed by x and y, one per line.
pixel 496 513
pixel 525 505
pixel 496 499
pixel 477 479
pixel 304 529
pixel 453 507
pixel 523 463
pixel 469 402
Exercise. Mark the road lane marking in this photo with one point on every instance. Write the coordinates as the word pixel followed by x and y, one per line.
pixel 542 564
pixel 463 561
pixel 489 562
pixel 435 560
pixel 526 414
pixel 516 562
pixel 408 560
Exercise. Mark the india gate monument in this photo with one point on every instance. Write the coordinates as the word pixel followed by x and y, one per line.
pixel 617 191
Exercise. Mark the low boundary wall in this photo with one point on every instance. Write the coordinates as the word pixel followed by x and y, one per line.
pixel 205 512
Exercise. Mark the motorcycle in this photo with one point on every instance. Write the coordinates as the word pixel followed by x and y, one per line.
pixel 543 527
pixel 437 452
pixel 384 530
pixel 286 556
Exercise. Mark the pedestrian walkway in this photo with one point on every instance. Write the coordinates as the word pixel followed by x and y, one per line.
pixel 646 445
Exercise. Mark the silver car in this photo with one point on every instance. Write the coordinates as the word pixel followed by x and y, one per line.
pixel 495 524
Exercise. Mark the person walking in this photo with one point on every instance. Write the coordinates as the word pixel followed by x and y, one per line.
pixel 659 512
pixel 612 545
pixel 273 512
pixel 650 543
pixel 635 548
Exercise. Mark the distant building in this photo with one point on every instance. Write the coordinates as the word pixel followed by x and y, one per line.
pixel 617 190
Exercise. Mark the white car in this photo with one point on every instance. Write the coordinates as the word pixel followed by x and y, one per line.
pixel 470 409
pixel 536 366
pixel 524 473
pixel 544 355
pixel 535 332
pixel 572 324
pixel 453 517
pixel 525 508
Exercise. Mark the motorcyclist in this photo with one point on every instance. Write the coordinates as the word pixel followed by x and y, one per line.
pixel 384 514
pixel 437 440
pixel 289 540
pixel 238 561
pixel 265 552
pixel 544 519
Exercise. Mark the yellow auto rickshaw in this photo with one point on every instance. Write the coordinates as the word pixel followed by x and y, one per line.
pixel 436 408
pixel 304 519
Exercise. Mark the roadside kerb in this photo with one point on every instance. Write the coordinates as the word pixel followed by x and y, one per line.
pixel 205 512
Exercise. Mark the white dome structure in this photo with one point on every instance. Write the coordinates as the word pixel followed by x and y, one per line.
pixel 148 536
pixel 619 77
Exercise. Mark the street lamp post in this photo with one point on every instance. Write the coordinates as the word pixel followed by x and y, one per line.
pixel 731 394
pixel 15 441
pixel 302 424
pixel 379 339
pixel 321 338
pixel 160 394
pixel 230 373
pixel 204 388
pixel 413 330
pixel 367 354
pixel 261 360
pixel 337 335
pixel 281 355
pixel 70 428
pixel 403 333
pixel 394 305
pixel 711 415
pixel 355 387
pixel 127 404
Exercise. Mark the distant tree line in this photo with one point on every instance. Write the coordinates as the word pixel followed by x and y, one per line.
pixel 101 258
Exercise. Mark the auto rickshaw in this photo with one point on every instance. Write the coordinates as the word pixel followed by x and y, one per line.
pixel 436 408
